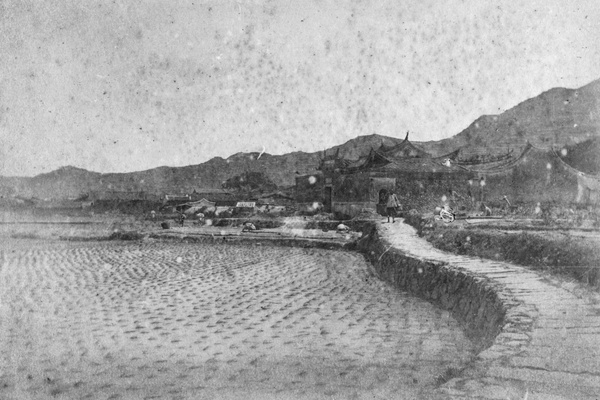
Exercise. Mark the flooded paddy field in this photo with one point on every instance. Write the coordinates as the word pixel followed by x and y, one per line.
pixel 151 319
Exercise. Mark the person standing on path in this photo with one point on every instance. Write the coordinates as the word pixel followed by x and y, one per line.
pixel 391 206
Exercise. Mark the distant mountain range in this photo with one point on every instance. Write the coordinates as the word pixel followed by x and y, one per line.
pixel 559 117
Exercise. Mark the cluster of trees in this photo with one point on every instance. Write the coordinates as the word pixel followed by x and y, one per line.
pixel 250 182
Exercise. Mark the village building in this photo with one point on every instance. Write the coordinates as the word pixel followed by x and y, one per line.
pixel 195 207
pixel 424 181
pixel 535 176
pixel 213 195
pixel 277 198
pixel 202 200
pixel 273 202
pixel 419 179
pixel 218 201
pixel 314 191
pixel 346 187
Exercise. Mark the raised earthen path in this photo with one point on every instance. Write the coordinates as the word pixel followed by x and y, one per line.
pixel 549 347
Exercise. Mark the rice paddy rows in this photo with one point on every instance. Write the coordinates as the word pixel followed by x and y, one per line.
pixel 174 320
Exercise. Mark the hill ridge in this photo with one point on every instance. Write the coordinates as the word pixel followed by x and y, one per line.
pixel 556 117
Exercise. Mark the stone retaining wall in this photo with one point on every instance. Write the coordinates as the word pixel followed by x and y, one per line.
pixel 472 300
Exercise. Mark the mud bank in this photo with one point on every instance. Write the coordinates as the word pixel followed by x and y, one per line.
pixel 318 243
pixel 471 300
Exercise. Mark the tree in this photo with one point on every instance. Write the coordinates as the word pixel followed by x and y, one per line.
pixel 249 182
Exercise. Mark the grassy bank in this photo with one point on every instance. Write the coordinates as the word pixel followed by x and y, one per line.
pixel 544 250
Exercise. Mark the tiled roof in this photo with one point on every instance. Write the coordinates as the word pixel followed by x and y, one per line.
pixel 421 165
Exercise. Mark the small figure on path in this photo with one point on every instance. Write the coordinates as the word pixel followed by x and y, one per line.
pixel 392 206
pixel 153 215
pixel 182 218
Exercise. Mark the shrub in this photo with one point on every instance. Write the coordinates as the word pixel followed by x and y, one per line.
pixel 129 235
pixel 225 214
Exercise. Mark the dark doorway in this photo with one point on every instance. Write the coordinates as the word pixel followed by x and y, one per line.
pixel 327 194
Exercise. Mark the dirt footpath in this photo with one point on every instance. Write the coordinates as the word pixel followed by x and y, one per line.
pixel 151 319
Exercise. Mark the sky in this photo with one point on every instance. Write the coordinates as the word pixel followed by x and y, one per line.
pixel 120 86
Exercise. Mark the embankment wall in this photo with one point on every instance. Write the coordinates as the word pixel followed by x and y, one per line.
pixel 472 300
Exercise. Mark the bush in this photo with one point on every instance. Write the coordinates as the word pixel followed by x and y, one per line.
pixel 417 221
pixel 221 222
pixel 130 235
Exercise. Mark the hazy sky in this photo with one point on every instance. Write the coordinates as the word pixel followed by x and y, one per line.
pixel 130 85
